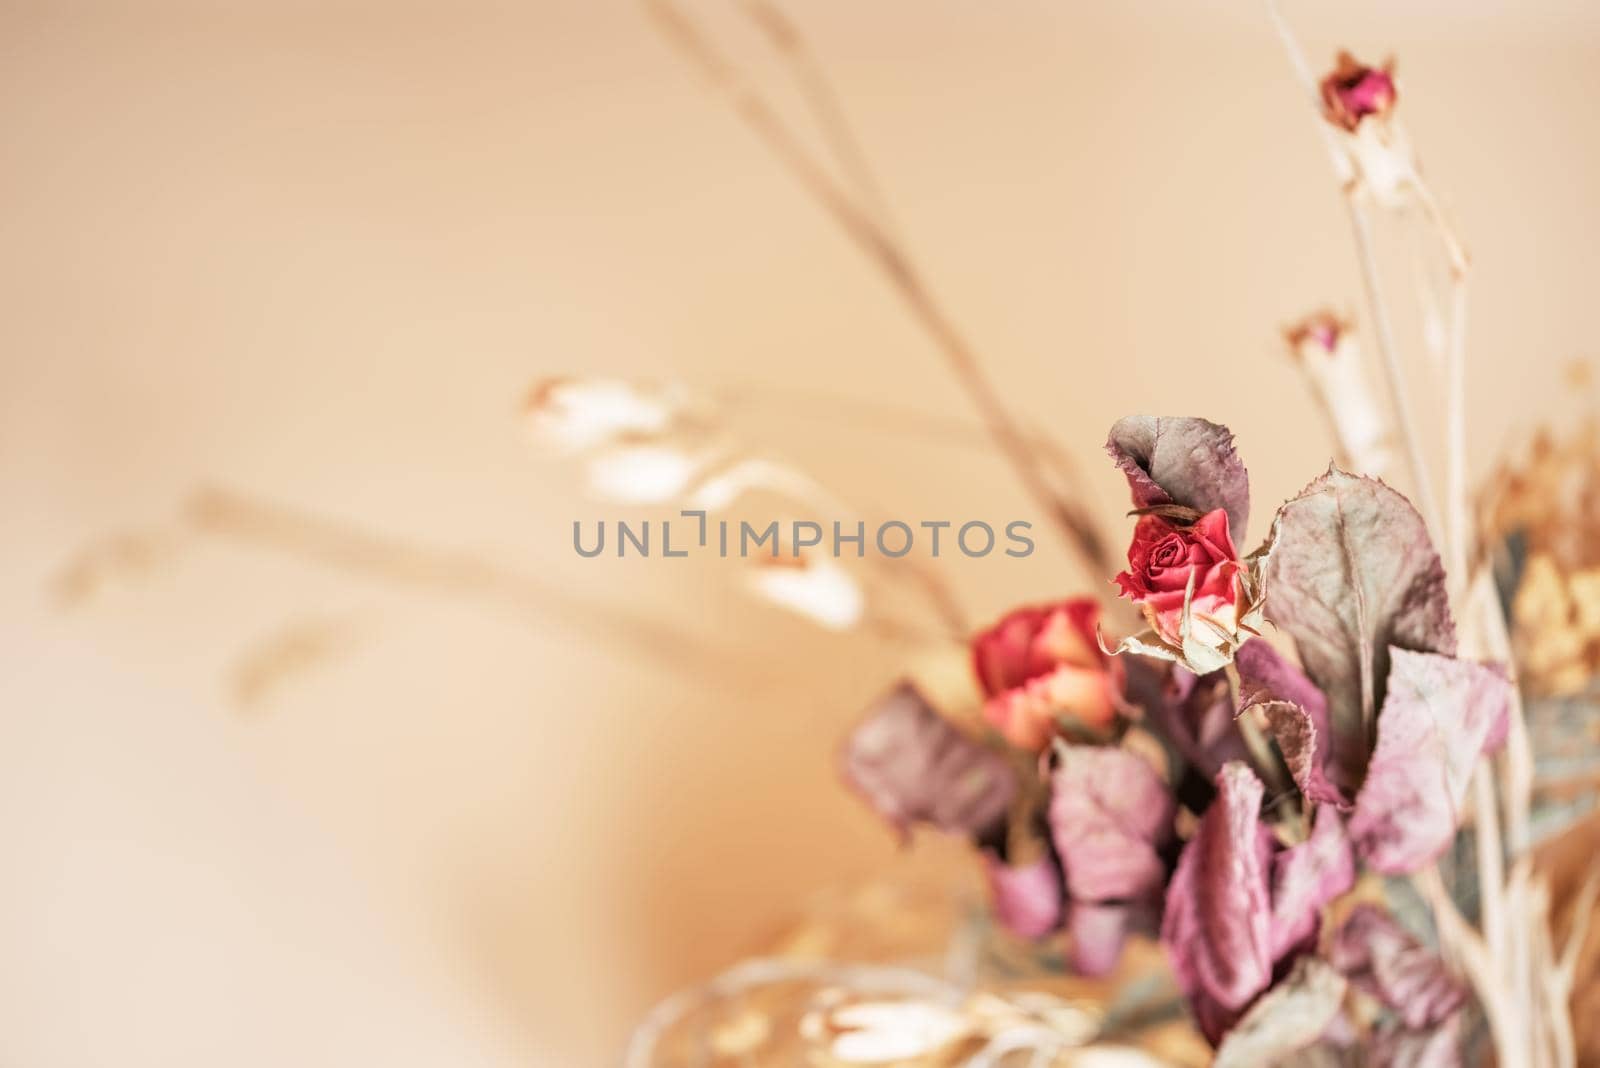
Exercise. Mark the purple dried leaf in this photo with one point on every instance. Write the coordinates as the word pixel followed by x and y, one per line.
pixel 1305 878
pixel 1439 717
pixel 913 766
pixel 1196 714
pixel 1287 1019
pixel 1110 812
pixel 1352 573
pixel 1217 925
pixel 1184 461
pixel 1384 960
pixel 1027 897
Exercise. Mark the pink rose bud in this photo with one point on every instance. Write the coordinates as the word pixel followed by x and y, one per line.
pixel 1354 91
pixel 1318 333
pixel 1170 563
pixel 1041 666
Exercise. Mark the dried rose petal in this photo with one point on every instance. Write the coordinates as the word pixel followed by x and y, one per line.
pixel 1352 91
pixel 913 766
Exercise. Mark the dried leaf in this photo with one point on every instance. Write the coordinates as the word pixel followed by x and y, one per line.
pixel 1384 960
pixel 1196 714
pixel 1306 877
pixel 1217 926
pixel 1184 461
pixel 913 766
pixel 1027 897
pixel 1352 574
pixel 1110 812
pixel 1287 1019
pixel 1097 933
pixel 1304 751
pixel 1440 715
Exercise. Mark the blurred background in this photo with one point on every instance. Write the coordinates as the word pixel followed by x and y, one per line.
pixel 486 801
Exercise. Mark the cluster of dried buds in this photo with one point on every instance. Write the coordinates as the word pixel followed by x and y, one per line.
pixel 1115 794
pixel 1545 512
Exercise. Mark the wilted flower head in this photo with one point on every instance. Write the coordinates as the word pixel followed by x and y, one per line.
pixel 1318 334
pixel 1041 668
pixel 812 586
pixel 574 414
pixel 1353 91
pixel 1326 347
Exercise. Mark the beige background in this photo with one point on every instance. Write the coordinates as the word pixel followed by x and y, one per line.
pixel 316 251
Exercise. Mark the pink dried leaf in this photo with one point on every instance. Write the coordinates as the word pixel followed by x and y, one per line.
pixel 1217 929
pixel 1386 961
pixel 1287 1019
pixel 1439 717
pixel 1304 750
pixel 1110 812
pixel 913 766
pixel 1096 936
pixel 1184 461
pixel 1027 897
pixel 1305 878
pixel 1353 573
pixel 1196 714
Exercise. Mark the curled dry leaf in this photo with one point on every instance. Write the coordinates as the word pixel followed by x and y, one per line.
pixel 1217 926
pixel 1240 905
pixel 915 767
pixel 1182 460
pixel 1439 716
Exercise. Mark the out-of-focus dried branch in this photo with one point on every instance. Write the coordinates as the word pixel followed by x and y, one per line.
pixel 286 654
pixel 859 224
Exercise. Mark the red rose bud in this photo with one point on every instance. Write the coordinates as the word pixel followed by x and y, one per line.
pixel 1041 666
pixel 1354 91
pixel 1172 568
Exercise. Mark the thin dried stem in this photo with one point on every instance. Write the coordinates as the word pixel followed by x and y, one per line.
pixel 1394 372
pixel 907 280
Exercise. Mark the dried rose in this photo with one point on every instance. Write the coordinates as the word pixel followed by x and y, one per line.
pixel 1352 91
pixel 1043 667
pixel 1359 103
pixel 1196 594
